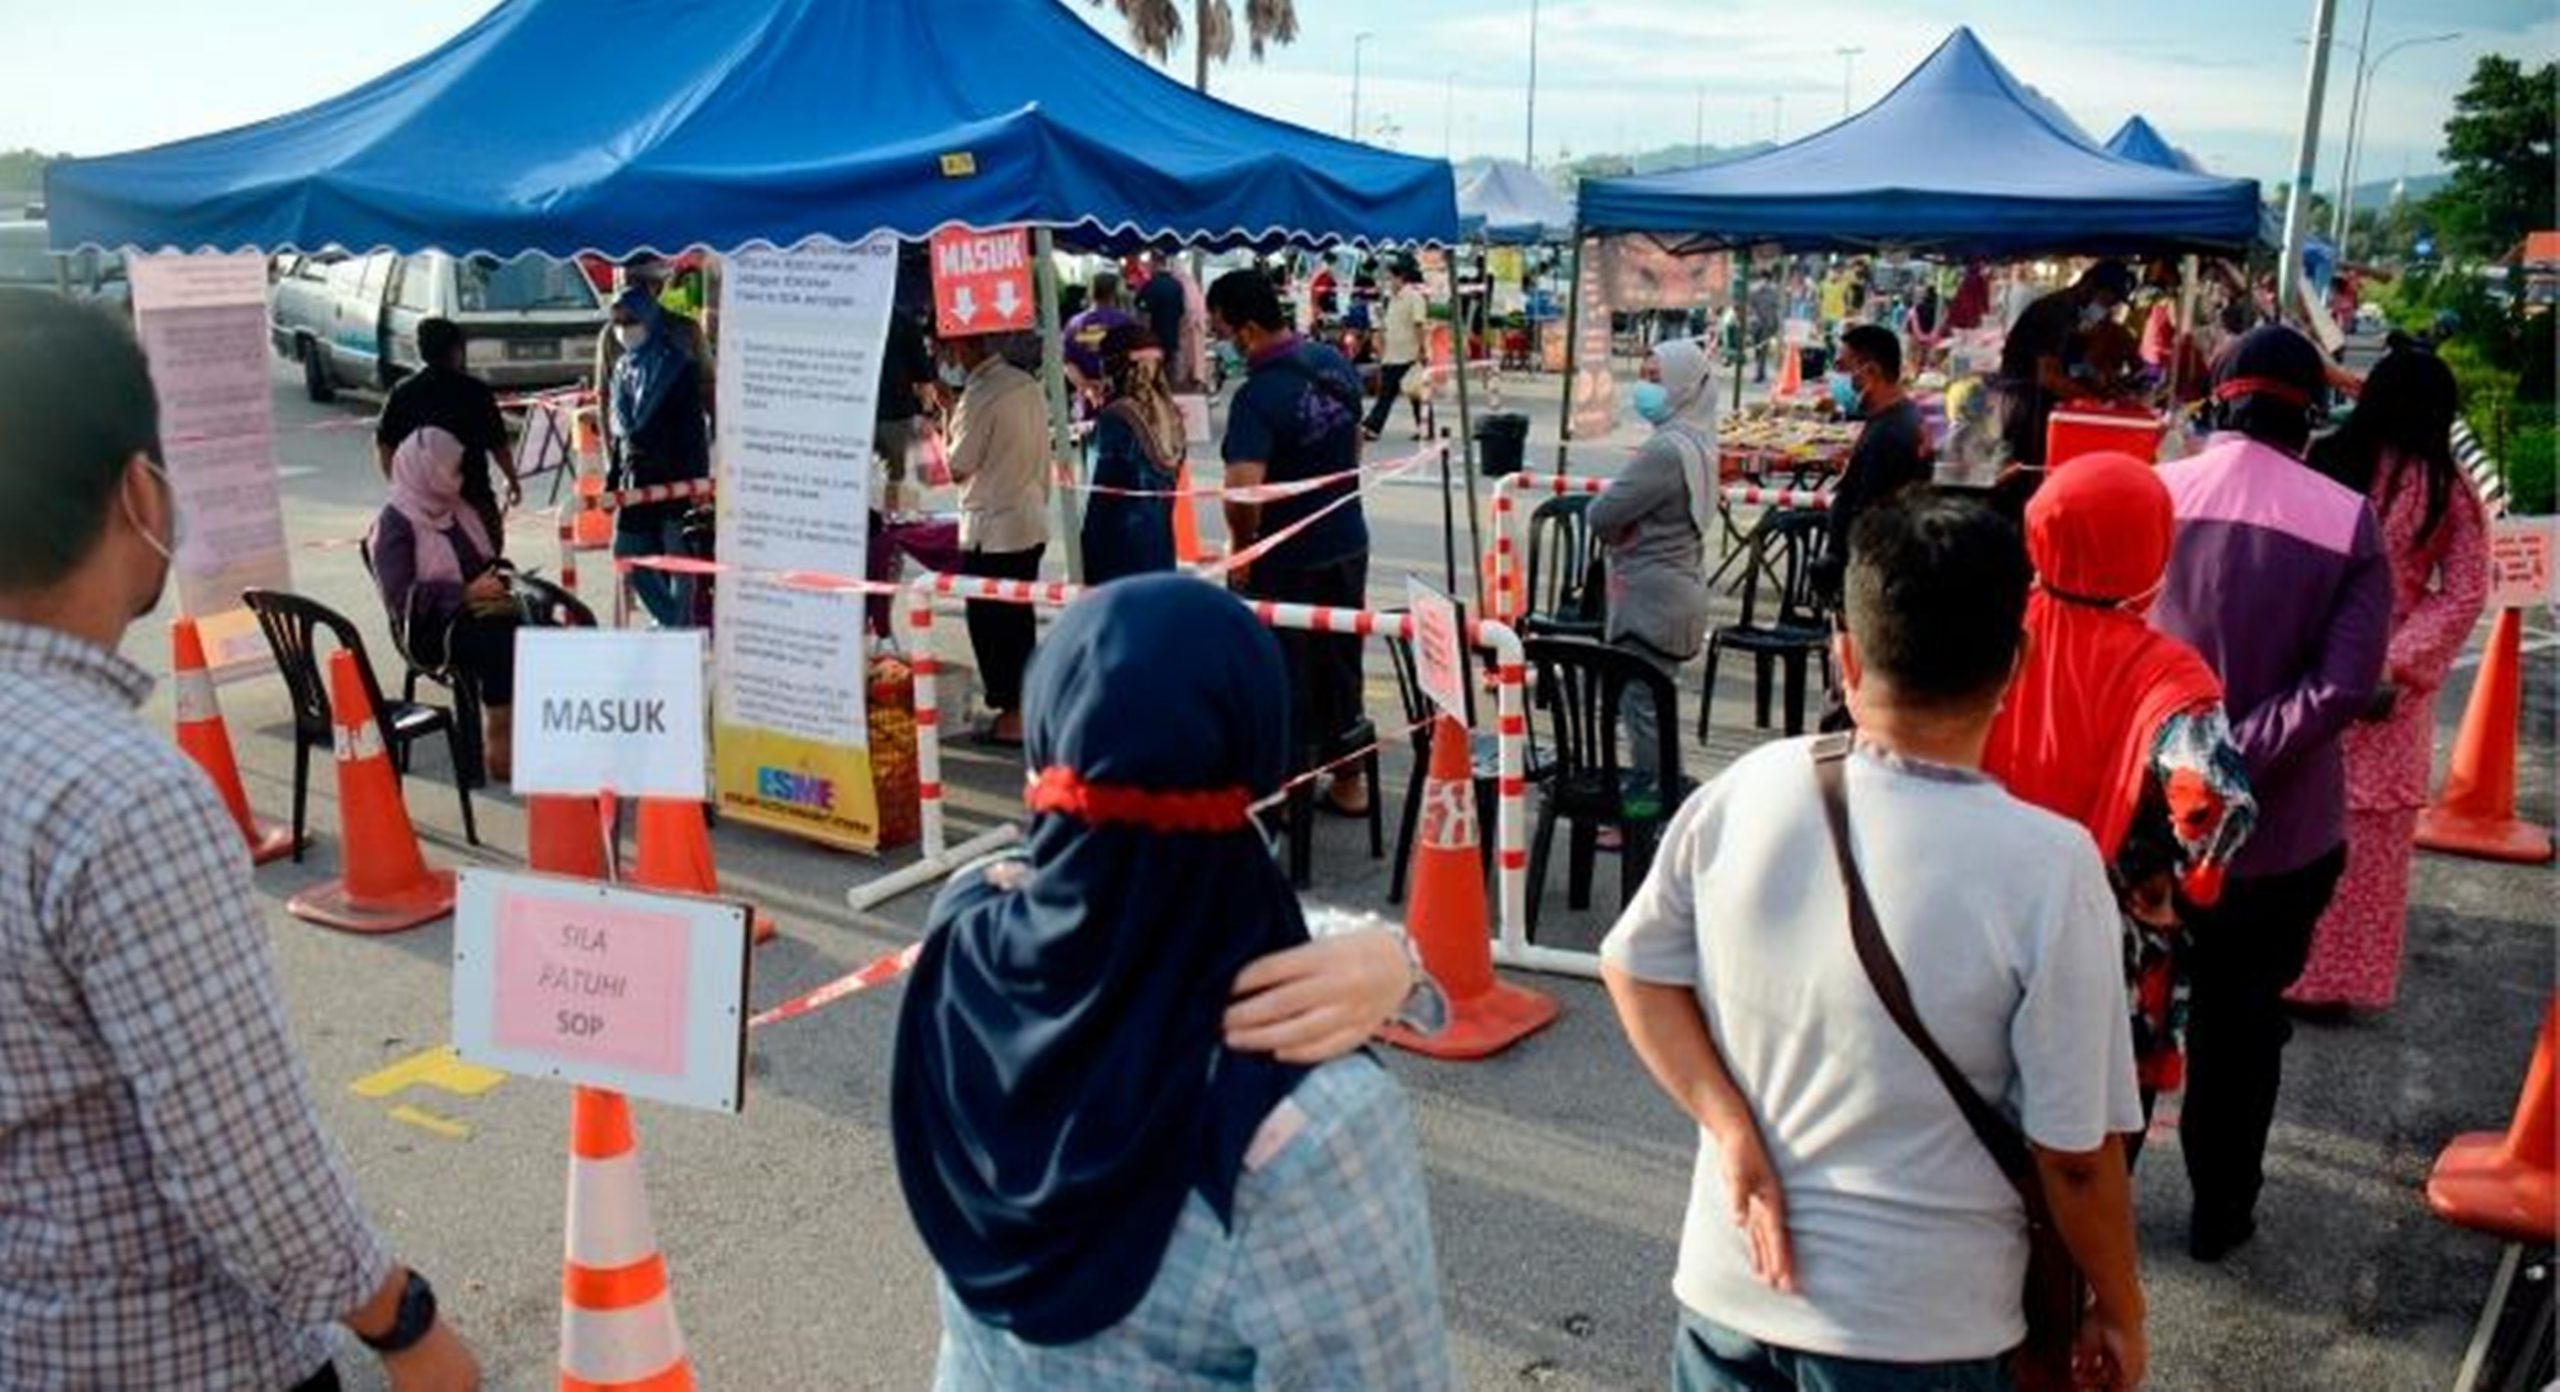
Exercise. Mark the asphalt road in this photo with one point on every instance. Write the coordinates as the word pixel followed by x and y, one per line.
pixel 1557 1175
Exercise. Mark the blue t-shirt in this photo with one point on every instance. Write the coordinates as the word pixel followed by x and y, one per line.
pixel 1298 413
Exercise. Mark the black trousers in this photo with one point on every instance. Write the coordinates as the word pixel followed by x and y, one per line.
pixel 1324 668
pixel 325 1380
pixel 1390 384
pixel 2242 954
pixel 1002 633
pixel 483 647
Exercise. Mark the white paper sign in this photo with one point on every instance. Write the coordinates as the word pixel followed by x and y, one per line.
pixel 800 338
pixel 203 321
pixel 2520 561
pixel 1195 417
pixel 601 710
pixel 589 983
pixel 1437 658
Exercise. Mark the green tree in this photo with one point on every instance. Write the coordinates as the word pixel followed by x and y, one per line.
pixel 1155 26
pixel 2499 146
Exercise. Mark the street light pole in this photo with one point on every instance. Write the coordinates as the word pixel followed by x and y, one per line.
pixel 1448 112
pixel 1849 67
pixel 1530 155
pixel 2306 154
pixel 1698 131
pixel 1358 41
pixel 2355 131
pixel 2355 109
pixel 1777 118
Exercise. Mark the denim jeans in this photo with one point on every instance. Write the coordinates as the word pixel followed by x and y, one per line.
pixel 668 598
pixel 1707 1357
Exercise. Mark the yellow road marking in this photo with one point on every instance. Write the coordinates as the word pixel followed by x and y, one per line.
pixel 429 1121
pixel 435 1068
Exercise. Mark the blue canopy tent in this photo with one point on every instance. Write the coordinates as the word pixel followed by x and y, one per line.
pixel 1960 159
pixel 1507 204
pixel 730 123
pixel 2141 142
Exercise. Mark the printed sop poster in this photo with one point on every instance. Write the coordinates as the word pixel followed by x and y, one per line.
pixel 202 320
pixel 800 339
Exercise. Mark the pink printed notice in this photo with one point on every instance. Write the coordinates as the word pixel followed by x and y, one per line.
pixel 586 982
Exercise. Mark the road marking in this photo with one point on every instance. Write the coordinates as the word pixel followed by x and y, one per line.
pixel 437 1068
pixel 429 1122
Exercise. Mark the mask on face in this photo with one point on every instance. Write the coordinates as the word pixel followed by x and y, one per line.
pixel 2092 315
pixel 1844 393
pixel 953 375
pixel 1652 402
pixel 631 336
pixel 168 548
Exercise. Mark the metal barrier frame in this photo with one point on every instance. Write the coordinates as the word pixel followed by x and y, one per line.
pixel 1511 947
pixel 1509 576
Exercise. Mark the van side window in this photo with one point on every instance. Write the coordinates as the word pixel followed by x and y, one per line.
pixel 377 276
pixel 417 284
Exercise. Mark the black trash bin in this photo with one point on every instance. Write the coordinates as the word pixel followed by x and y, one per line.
pixel 1502 443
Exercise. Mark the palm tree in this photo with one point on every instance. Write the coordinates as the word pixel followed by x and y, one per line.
pixel 1155 26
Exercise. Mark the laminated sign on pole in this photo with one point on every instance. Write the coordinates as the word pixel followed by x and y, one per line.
pixel 982 282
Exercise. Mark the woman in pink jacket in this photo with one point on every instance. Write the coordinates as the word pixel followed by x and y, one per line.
pixel 2397 450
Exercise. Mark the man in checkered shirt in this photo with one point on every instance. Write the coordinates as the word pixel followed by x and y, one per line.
pixel 170 1214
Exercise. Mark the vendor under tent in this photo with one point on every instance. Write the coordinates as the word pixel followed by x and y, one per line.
pixel 1960 159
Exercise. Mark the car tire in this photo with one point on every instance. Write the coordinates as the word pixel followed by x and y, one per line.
pixel 315 372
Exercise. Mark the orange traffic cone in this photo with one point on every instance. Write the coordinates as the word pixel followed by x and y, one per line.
pixel 1790 370
pixel 675 854
pixel 2503 1184
pixel 564 836
pixel 1186 518
pixel 207 740
pixel 2476 816
pixel 385 885
pixel 617 1321
pixel 1449 922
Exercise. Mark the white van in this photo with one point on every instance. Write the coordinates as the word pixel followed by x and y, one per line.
pixel 352 321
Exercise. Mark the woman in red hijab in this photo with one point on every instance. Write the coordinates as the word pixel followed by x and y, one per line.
pixel 2122 730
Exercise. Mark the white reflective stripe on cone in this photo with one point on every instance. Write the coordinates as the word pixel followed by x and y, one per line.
pixel 610 1346
pixel 609 1213
pixel 195 698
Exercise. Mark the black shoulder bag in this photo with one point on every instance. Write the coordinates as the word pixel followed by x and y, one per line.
pixel 2055 1296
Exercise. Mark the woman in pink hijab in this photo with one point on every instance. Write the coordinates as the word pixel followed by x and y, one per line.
pixel 432 558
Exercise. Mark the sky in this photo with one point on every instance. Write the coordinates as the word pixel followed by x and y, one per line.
pixel 2222 78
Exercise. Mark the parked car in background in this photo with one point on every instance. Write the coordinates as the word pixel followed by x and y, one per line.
pixel 27 261
pixel 352 321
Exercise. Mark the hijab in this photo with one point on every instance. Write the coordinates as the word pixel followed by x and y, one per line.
pixel 2076 733
pixel 644 375
pixel 426 489
pixel 1686 371
pixel 1133 370
pixel 1060 1086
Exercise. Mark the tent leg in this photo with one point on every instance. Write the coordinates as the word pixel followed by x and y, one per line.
pixel 1053 379
pixel 1466 437
pixel 2186 331
pixel 1741 318
pixel 1572 348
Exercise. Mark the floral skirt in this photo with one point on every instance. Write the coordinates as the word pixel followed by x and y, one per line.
pixel 2355 952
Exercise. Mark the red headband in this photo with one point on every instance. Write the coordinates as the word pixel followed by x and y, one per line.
pixel 1201 810
pixel 2285 392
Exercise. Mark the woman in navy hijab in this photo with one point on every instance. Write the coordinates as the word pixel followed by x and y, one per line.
pixel 1117 1194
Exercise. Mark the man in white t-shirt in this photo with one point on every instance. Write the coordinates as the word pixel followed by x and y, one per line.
pixel 1404 324
pixel 1846 1228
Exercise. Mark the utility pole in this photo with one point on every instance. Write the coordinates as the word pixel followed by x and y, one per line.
pixel 1698 131
pixel 1358 42
pixel 1530 155
pixel 2355 108
pixel 2306 156
pixel 1849 67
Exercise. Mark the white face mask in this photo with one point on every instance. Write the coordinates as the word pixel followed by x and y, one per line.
pixel 2092 315
pixel 954 375
pixel 630 336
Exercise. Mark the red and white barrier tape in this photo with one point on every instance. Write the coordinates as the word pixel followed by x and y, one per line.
pixel 1756 495
pixel 878 972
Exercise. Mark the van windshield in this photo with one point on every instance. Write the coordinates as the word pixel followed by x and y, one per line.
pixel 483 284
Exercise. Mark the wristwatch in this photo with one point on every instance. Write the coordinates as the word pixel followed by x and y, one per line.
pixel 417 1316
pixel 1426 1007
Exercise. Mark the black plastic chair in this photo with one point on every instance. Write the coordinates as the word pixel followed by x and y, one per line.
pixel 1581 686
pixel 292 625
pixel 1784 547
pixel 1566 583
pixel 1300 823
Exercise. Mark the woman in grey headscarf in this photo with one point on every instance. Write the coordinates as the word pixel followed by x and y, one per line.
pixel 1654 519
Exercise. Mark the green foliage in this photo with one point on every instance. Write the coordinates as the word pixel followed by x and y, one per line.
pixel 2499 145
pixel 2532 451
pixel 22 171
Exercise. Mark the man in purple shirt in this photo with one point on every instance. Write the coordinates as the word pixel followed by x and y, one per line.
pixel 1085 332
pixel 2278 580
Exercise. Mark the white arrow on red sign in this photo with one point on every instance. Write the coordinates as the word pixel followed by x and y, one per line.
pixel 1006 301
pixel 964 304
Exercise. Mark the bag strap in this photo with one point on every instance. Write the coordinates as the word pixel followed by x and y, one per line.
pixel 2000 1136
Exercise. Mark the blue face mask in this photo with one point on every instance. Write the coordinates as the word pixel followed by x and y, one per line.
pixel 1652 402
pixel 1844 393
